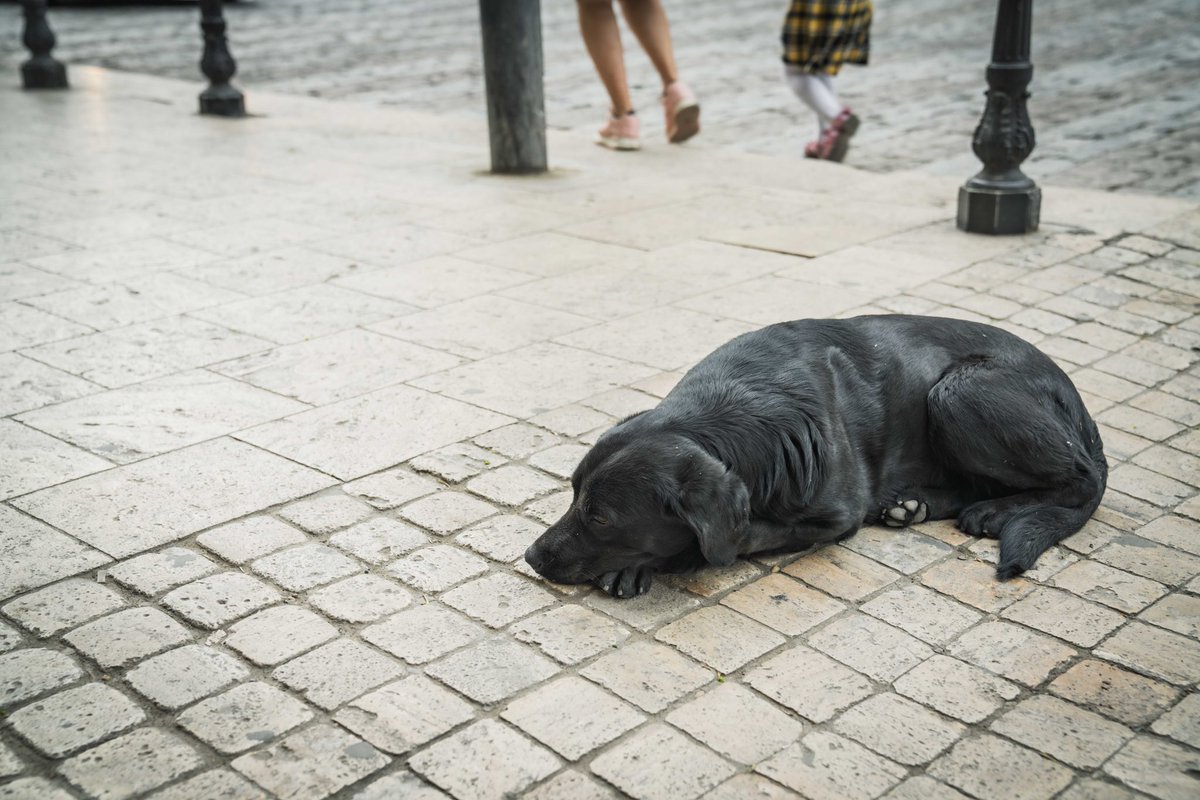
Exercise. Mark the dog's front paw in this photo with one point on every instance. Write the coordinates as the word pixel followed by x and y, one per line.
pixel 628 582
pixel 905 513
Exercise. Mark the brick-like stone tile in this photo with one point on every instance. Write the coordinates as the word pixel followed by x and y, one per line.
pixel 10 637
pixel 987 766
pixel 400 784
pixel 299 568
pixel 243 717
pixel 550 508
pixel 1157 767
pixel 247 539
pixel 512 485
pixel 783 604
pixel 923 787
pixel 813 685
pixel 361 598
pixel 379 540
pixel 571 716
pixel 36 554
pixel 659 763
pixel 1154 651
pixel 435 568
pixel 842 573
pixel 1176 612
pixel 1125 696
pixel 571 420
pixel 131 764
pixel 446 512
pixel 648 675
pixel 1090 789
pixel 570 784
pixel 493 669
pixel 422 633
pixel 974 583
pixel 152 573
pixel 75 718
pixel 1065 616
pixel 1149 559
pixel 127 636
pixel 898 729
pixel 63 605
pixel 184 675
pixel 30 672
pixel 1011 651
pixel 955 688
pixel 737 723
pixel 712 581
pixel 870 646
pixel 824 766
pixel 498 599
pixel 661 604
pixel 1182 722
pixel 570 633
pixel 503 538
pixel 559 461
pixel 509 762
pixel 219 599
pixel 719 637
pixel 518 441
pixel 337 672
pixel 277 634
pixel 1109 586
pixel 457 462
pixel 391 488
pixel 922 612
pixel 406 714
pixel 1065 731
pixel 215 783
pixel 312 764
pixel 325 513
pixel 906 551
pixel 1139 423
pixel 750 785
pixel 1149 486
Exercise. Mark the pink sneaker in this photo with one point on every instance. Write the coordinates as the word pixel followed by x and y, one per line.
pixel 836 139
pixel 621 133
pixel 682 111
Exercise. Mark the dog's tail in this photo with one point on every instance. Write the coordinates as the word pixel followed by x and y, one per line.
pixel 1030 532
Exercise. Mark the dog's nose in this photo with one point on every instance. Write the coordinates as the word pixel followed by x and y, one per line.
pixel 535 558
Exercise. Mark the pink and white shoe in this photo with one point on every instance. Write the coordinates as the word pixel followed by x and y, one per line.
pixel 836 140
pixel 621 133
pixel 682 112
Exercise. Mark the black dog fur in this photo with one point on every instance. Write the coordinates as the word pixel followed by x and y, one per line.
pixel 803 431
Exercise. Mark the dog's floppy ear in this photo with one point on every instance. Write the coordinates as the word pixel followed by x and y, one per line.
pixel 713 501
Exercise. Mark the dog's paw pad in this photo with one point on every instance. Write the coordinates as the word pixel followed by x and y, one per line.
pixel 905 513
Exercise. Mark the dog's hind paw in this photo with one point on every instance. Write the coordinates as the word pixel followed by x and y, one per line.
pixel 628 582
pixel 904 513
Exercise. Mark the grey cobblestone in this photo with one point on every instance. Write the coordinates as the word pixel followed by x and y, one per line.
pixel 277 634
pixel 312 764
pixel 219 599
pixel 64 605
pixel 243 717
pixel 75 718
pixel 127 636
pixel 179 677
pixel 337 672
pixel 132 764
pixel 27 673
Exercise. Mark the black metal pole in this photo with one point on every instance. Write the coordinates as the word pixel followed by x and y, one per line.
pixel 221 97
pixel 512 68
pixel 1001 198
pixel 42 70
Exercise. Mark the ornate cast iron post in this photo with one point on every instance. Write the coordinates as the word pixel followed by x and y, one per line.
pixel 220 97
pixel 1001 198
pixel 42 70
pixel 512 68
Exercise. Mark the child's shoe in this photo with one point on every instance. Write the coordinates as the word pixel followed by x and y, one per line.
pixel 682 112
pixel 836 139
pixel 621 133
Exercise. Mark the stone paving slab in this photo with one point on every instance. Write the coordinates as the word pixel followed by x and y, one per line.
pixel 264 535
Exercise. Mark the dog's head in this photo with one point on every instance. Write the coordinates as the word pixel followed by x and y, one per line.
pixel 639 500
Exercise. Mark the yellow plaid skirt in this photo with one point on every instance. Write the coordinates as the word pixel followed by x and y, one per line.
pixel 821 35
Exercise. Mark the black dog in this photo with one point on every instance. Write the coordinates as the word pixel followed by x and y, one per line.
pixel 801 432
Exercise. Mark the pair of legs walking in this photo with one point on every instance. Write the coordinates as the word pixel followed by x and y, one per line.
pixel 601 34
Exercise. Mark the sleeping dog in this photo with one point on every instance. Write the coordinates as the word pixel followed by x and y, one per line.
pixel 800 432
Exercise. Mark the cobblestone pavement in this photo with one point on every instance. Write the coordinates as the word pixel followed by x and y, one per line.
pixel 1113 99
pixel 282 401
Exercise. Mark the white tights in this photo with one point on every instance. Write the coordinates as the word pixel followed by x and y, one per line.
pixel 817 92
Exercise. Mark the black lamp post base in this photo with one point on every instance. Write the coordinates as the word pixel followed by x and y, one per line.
pixel 44 72
pixel 994 211
pixel 222 101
